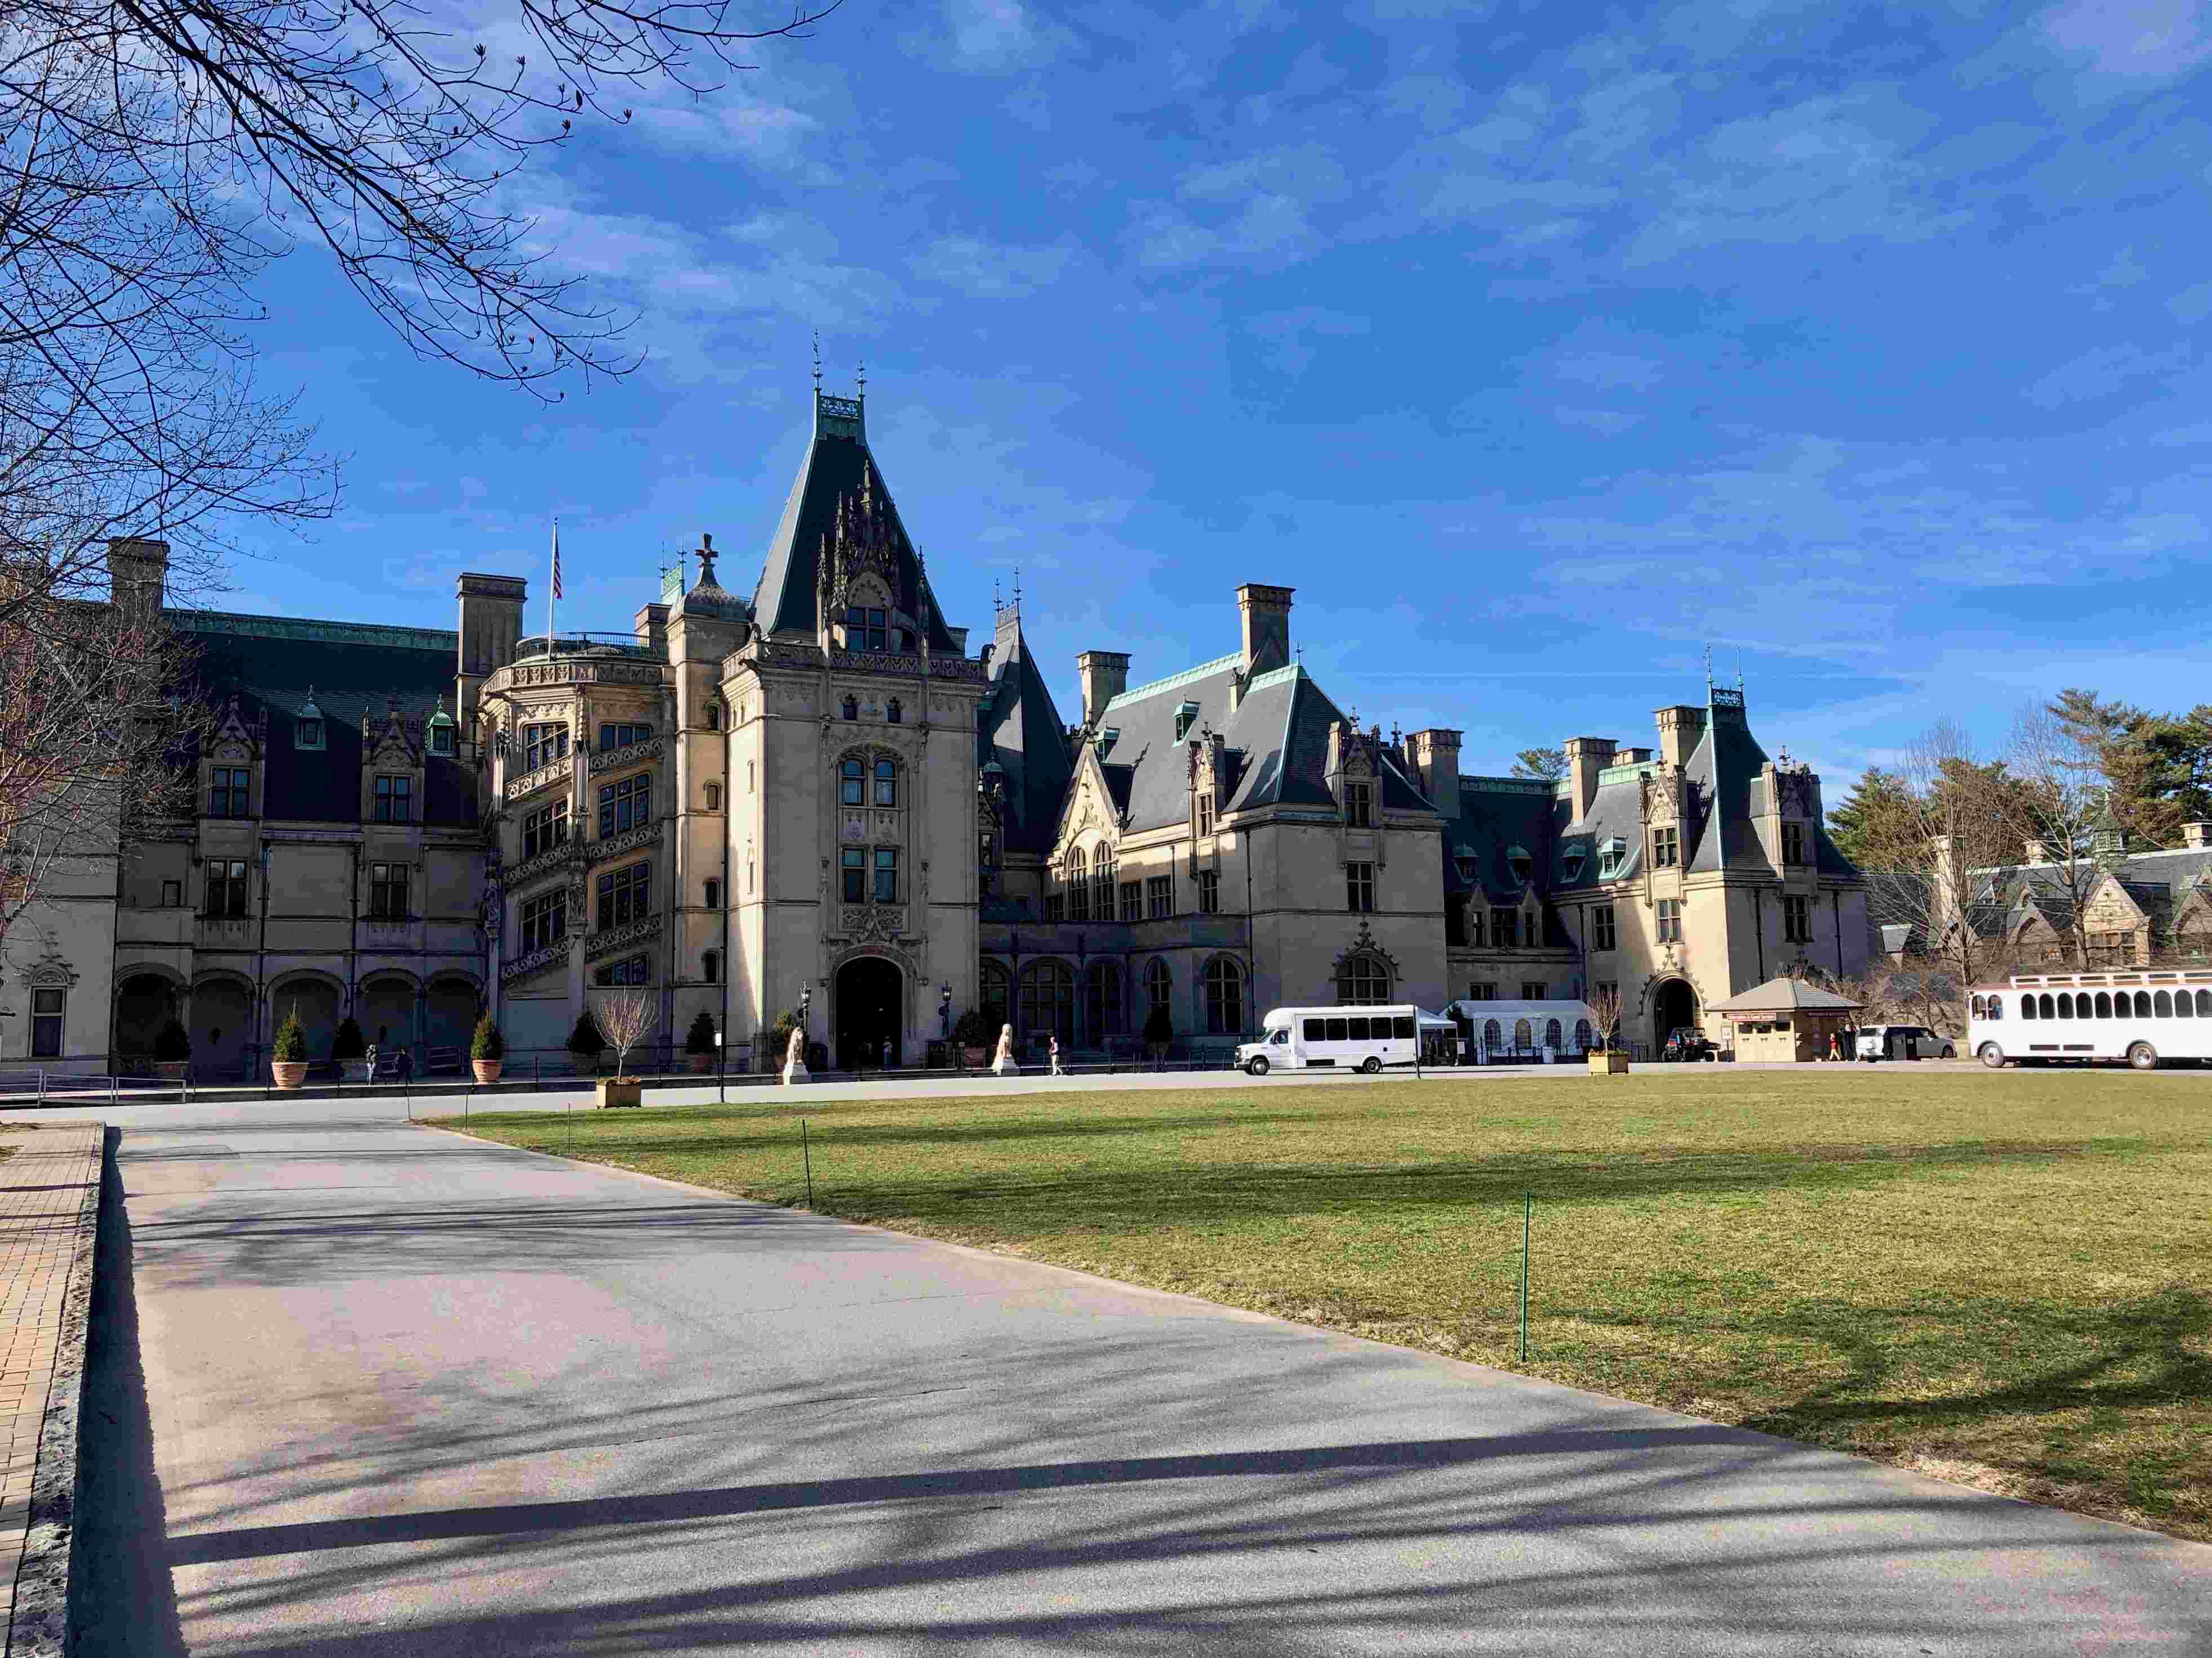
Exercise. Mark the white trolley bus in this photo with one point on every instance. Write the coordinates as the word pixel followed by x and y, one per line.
pixel 1351 1038
pixel 2147 1017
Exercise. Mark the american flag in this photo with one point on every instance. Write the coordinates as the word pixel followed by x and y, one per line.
pixel 556 559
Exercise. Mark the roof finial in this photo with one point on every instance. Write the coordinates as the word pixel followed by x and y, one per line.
pixel 864 379
pixel 1709 673
pixel 1018 586
pixel 817 361
pixel 998 604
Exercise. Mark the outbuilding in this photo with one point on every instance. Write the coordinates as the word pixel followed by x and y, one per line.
pixel 1787 1019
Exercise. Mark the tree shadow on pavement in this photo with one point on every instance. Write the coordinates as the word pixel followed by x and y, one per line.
pixel 123 1603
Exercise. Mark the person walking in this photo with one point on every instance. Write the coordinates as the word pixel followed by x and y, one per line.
pixel 1055 1056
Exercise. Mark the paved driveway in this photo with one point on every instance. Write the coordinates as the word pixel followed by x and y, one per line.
pixel 406 1394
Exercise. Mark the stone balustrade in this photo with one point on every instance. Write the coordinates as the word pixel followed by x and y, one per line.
pixel 555 771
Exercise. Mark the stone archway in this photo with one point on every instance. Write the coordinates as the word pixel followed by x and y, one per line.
pixel 144 1002
pixel 1673 1006
pixel 221 1029
pixel 453 1012
pixel 869 1002
pixel 386 1012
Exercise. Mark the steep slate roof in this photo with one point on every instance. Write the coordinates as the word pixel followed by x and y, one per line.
pixel 835 464
pixel 1275 741
pixel 356 669
pixel 1723 771
pixel 2005 893
pixel 1019 728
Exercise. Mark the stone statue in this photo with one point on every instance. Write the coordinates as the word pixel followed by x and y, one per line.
pixel 794 1057
pixel 1003 1063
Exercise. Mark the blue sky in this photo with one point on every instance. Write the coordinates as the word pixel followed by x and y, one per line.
pixel 1864 346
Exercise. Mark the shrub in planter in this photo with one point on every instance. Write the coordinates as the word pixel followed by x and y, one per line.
pixel 487 1051
pixel 585 1044
pixel 349 1043
pixel 974 1028
pixel 171 1044
pixel 288 1057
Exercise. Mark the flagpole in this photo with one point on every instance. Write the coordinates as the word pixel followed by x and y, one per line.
pixel 553 587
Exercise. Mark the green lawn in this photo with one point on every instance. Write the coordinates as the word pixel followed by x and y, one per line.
pixel 2004 1279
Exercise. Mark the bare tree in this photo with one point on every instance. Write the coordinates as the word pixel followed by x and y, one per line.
pixel 1604 1004
pixel 2060 813
pixel 627 1018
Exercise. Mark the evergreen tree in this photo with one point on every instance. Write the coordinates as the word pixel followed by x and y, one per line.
pixel 1549 763
pixel 1873 824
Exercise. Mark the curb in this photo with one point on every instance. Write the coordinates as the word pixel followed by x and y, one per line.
pixel 38 1625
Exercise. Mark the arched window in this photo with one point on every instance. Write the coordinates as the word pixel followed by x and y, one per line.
pixel 1362 980
pixel 2142 1004
pixel 1224 997
pixel 1159 987
pixel 1551 1033
pixel 887 782
pixel 2205 1004
pixel 710 967
pixel 2104 1004
pixel 852 781
pixel 2028 1007
pixel 714 797
pixel 2065 1005
pixel 992 994
pixel 892 711
pixel 1078 885
pixel 714 715
pixel 2182 1009
pixel 2162 1005
pixel 1585 1037
pixel 1103 1000
pixel 1493 1034
pixel 1102 884
pixel 2045 1006
pixel 1978 1010
pixel 1048 1000
pixel 1524 1035
pixel 714 888
pixel 850 707
pixel 1996 1007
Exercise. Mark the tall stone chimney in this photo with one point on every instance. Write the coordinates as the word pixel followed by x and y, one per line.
pixel 1267 613
pixel 1679 728
pixel 137 574
pixel 1586 757
pixel 491 629
pixel 1105 676
pixel 1434 756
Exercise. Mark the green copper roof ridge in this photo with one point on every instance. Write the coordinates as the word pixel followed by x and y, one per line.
pixel 1272 677
pixel 1154 688
pixel 312 629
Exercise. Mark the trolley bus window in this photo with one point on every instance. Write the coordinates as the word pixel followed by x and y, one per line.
pixel 2028 1007
pixel 2162 1005
pixel 1316 1030
pixel 2181 1007
pixel 2142 1004
pixel 2104 1005
pixel 1401 1025
pixel 1336 1030
pixel 1996 1007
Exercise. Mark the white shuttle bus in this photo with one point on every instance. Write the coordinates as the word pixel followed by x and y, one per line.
pixel 1342 1038
pixel 2147 1018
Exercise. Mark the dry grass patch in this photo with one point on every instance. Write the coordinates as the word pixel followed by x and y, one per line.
pixel 2004 1279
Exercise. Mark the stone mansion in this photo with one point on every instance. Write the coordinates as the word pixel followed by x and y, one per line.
pixel 821 794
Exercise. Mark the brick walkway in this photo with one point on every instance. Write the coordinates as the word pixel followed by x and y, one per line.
pixel 49 1194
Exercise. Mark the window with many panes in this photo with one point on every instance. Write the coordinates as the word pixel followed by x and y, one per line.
pixel 1159 987
pixel 625 806
pixel 1504 927
pixel 1159 896
pixel 887 875
pixel 1359 805
pixel 852 782
pixel 1132 900
pixel 388 892
pixel 865 629
pixel 1102 884
pixel 1603 933
pixel 1224 997
pixel 546 829
pixel 1055 907
pixel 1359 887
pixel 228 792
pixel 626 894
pixel 543 744
pixel 1205 814
pixel 1363 980
pixel 225 887
pixel 1670 920
pixel 395 799
pixel 442 738
pixel 1209 892
pixel 633 970
pixel 47 1002
pixel 612 736
pixel 886 782
pixel 1482 992
pixel 1793 843
pixel 1797 920
pixel 1535 990
pixel 1665 847
pixel 853 874
pixel 1077 873
pixel 172 895
pixel 545 920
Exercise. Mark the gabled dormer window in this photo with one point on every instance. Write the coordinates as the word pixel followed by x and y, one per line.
pixel 1571 867
pixel 441 731
pixel 307 730
pixel 1185 715
pixel 1518 860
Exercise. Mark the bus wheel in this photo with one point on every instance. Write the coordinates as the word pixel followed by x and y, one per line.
pixel 1993 1056
pixel 1371 1065
pixel 1258 1067
pixel 2143 1057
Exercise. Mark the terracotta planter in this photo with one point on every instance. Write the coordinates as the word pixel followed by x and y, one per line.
pixel 1608 1064
pixel 287 1076
pixel 621 1091
pixel 172 1069
pixel 487 1071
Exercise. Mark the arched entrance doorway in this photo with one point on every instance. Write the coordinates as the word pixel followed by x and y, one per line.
pixel 870 991
pixel 1673 1006
pixel 143 1005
